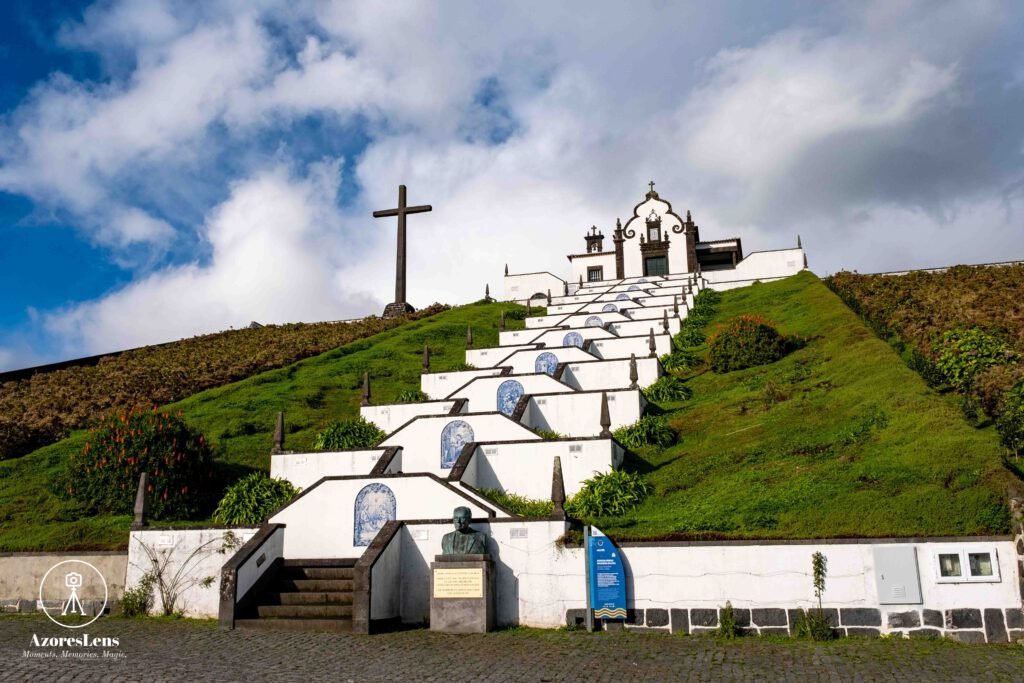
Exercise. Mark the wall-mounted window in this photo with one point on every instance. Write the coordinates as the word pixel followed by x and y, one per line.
pixel 967 565
pixel 595 274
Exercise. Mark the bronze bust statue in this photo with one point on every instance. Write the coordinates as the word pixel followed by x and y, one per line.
pixel 464 540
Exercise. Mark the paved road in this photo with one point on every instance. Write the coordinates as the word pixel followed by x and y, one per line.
pixel 173 651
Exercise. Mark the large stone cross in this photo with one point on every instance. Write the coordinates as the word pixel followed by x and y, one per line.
pixel 400 306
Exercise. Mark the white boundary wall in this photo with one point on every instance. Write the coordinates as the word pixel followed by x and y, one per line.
pixel 197 553
pixel 320 523
pixel 391 416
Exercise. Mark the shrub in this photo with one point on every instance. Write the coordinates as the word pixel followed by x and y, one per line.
pixel 412 396
pixel 961 354
pixel 347 435
pixel 549 435
pixel 1010 423
pixel 648 430
pixel 813 626
pixel 668 388
pixel 614 493
pixel 747 341
pixel 104 475
pixel 680 360
pixel 252 499
pixel 922 365
pixel 138 600
pixel 519 505
pixel 462 367
pixel 727 626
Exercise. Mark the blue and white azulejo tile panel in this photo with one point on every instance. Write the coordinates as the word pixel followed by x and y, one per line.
pixel 375 506
pixel 454 436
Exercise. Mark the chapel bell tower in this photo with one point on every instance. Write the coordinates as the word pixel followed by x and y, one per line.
pixel 595 241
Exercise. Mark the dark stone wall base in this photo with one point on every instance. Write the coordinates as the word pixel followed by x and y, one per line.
pixel 967 625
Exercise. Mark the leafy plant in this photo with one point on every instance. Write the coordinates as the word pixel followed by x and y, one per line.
pixel 962 353
pixel 412 396
pixel 549 435
pixel 612 493
pixel 668 388
pixel 252 499
pixel 348 435
pixel 680 360
pixel 728 629
pixel 815 626
pixel 1010 423
pixel 648 430
pixel 138 600
pixel 104 475
pixel 747 341
pixel 519 505
pixel 462 367
pixel 171 582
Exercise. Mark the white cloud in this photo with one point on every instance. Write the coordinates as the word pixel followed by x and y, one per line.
pixel 273 260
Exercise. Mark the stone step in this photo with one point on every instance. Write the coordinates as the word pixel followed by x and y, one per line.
pixel 304 611
pixel 286 585
pixel 329 562
pixel 307 598
pixel 343 625
pixel 317 572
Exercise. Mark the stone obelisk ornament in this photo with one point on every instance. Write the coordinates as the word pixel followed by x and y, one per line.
pixel 400 306
pixel 426 358
pixel 634 376
pixel 464 540
pixel 651 346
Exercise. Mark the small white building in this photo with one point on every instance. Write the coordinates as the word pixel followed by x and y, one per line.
pixel 658 242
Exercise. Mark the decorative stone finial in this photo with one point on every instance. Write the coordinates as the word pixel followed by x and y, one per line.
pixel 798 244
pixel 366 390
pixel 549 297
pixel 581 282
pixel 651 345
pixel 664 320
pixel 501 321
pixel 469 337
pixel 633 374
pixel 426 358
pixel 278 434
pixel 675 305
pixel 558 489
pixel 606 419
pixel 506 269
pixel 565 289
pixel 141 504
pixel 529 308
pixel 487 292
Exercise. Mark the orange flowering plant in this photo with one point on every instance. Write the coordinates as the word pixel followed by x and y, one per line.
pixel 104 475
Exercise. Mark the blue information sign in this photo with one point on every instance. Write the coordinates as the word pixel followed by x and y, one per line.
pixel 607 579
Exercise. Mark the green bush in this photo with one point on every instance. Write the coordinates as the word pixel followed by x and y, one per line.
pixel 104 475
pixel 549 435
pixel 1010 423
pixel 747 341
pixel 649 430
pixel 691 330
pixel 412 396
pixel 519 505
pixel 252 499
pixel 680 360
pixel 614 493
pixel 812 625
pixel 728 629
pixel 138 600
pixel 668 388
pixel 961 354
pixel 348 435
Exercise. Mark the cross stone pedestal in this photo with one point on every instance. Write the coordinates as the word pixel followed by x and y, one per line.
pixel 462 594
pixel 397 308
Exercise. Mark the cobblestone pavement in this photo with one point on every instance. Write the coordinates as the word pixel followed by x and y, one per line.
pixel 197 651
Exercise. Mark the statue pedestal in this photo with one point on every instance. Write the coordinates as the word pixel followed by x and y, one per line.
pixel 396 309
pixel 462 594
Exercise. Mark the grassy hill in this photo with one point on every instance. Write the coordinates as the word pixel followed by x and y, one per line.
pixel 837 439
pixel 44 407
pixel 239 420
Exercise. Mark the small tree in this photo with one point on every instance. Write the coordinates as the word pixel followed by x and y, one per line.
pixel 171 583
pixel 815 626
pixel 819 568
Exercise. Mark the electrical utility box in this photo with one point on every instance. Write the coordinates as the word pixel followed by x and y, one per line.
pixel 896 575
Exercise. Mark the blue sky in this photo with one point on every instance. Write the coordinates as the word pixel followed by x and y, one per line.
pixel 176 168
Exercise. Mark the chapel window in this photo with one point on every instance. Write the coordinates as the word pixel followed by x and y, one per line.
pixel 595 274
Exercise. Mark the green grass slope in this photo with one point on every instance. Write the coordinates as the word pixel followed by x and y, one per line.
pixel 838 439
pixel 239 420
